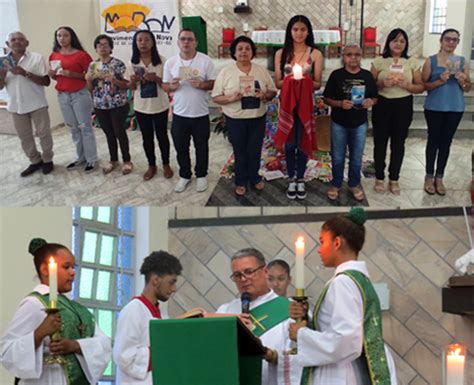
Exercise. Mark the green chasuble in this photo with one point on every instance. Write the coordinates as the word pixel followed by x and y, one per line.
pixel 374 350
pixel 76 323
pixel 268 315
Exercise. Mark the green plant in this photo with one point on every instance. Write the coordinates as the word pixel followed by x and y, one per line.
pixel 220 126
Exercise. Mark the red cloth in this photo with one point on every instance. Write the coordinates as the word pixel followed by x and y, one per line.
pixel 76 62
pixel 155 312
pixel 296 95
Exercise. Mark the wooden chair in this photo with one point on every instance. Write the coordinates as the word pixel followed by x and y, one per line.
pixel 370 47
pixel 228 35
pixel 334 50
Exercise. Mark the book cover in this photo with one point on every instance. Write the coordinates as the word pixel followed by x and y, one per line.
pixel 247 85
pixel 396 71
pixel 139 70
pixel 453 64
pixel 55 65
pixel 357 95
pixel 187 73
pixel 6 62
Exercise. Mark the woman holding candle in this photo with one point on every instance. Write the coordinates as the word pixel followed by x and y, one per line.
pixel 243 88
pixel 298 71
pixel 26 347
pixel 347 347
pixel 75 101
pixel 446 78
pixel 398 77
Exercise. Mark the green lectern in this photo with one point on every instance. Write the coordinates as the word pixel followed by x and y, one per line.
pixel 198 25
pixel 204 351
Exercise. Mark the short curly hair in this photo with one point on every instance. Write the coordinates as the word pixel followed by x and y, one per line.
pixel 242 39
pixel 160 263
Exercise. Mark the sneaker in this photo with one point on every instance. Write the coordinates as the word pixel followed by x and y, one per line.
pixel 31 169
pixel 300 190
pixel 201 184
pixel 181 185
pixel 74 165
pixel 89 167
pixel 291 190
pixel 47 167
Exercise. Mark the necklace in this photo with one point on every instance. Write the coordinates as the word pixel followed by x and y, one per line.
pixel 301 57
pixel 190 64
pixel 244 71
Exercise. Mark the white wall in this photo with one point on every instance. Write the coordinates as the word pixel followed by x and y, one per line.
pixel 19 225
pixel 460 16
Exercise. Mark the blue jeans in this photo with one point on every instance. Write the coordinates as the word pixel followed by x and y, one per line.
pixel 76 108
pixel 246 136
pixel 341 138
pixel 295 158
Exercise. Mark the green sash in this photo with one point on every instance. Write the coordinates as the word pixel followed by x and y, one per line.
pixel 374 350
pixel 268 315
pixel 76 323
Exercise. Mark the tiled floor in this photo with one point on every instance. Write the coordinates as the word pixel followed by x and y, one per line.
pixel 70 188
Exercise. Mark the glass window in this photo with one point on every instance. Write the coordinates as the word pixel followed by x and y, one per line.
pixel 104 245
pixel 438 16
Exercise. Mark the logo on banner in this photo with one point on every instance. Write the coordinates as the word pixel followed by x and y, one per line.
pixel 129 17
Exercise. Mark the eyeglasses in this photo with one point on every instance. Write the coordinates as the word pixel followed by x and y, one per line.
pixel 448 39
pixel 190 39
pixel 247 274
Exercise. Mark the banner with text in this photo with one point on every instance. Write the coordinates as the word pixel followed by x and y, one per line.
pixel 121 19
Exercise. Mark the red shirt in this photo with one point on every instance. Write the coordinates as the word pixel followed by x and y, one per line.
pixel 76 62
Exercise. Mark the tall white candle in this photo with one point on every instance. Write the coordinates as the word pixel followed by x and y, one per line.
pixel 297 72
pixel 455 365
pixel 53 281
pixel 299 263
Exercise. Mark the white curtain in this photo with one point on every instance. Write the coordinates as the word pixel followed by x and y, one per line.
pixel 8 23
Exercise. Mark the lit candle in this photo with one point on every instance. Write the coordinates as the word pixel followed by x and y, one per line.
pixel 455 358
pixel 299 264
pixel 297 72
pixel 53 282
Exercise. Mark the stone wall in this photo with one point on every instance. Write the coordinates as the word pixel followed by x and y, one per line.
pixel 414 257
pixel 274 14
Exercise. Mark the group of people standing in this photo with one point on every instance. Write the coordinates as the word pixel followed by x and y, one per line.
pixel 242 89
pixel 339 342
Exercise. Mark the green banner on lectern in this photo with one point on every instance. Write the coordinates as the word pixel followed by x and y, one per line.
pixel 204 351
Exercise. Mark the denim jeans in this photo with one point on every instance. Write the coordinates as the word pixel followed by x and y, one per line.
pixel 246 136
pixel 295 158
pixel 76 108
pixel 341 138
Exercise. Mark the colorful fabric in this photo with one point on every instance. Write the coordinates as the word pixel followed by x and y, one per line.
pixel 76 62
pixel 269 314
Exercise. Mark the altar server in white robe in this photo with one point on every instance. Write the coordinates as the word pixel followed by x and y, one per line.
pixel 26 349
pixel 269 319
pixel 132 342
pixel 344 345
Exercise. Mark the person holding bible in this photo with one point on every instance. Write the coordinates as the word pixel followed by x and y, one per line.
pixel 343 344
pixel 268 316
pixel 28 351
pixel 132 340
pixel 242 89
pixel 350 91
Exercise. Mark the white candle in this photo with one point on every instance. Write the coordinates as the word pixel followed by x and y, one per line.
pixel 53 282
pixel 299 264
pixel 455 365
pixel 297 72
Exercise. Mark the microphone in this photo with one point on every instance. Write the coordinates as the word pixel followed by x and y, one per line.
pixel 245 299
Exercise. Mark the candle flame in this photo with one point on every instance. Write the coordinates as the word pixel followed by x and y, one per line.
pixel 300 242
pixel 52 261
pixel 456 350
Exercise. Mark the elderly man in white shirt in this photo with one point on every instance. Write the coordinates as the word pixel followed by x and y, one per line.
pixel 25 74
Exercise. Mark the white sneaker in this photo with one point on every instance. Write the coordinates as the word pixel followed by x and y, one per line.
pixel 201 184
pixel 181 185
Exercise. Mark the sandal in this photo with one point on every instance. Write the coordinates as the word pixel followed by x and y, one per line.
pixel 379 186
pixel 429 185
pixel 109 167
pixel 439 186
pixel 357 193
pixel 394 187
pixel 127 168
pixel 333 193
pixel 259 186
pixel 240 191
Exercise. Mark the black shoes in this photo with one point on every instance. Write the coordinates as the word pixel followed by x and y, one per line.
pixel 32 168
pixel 47 167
